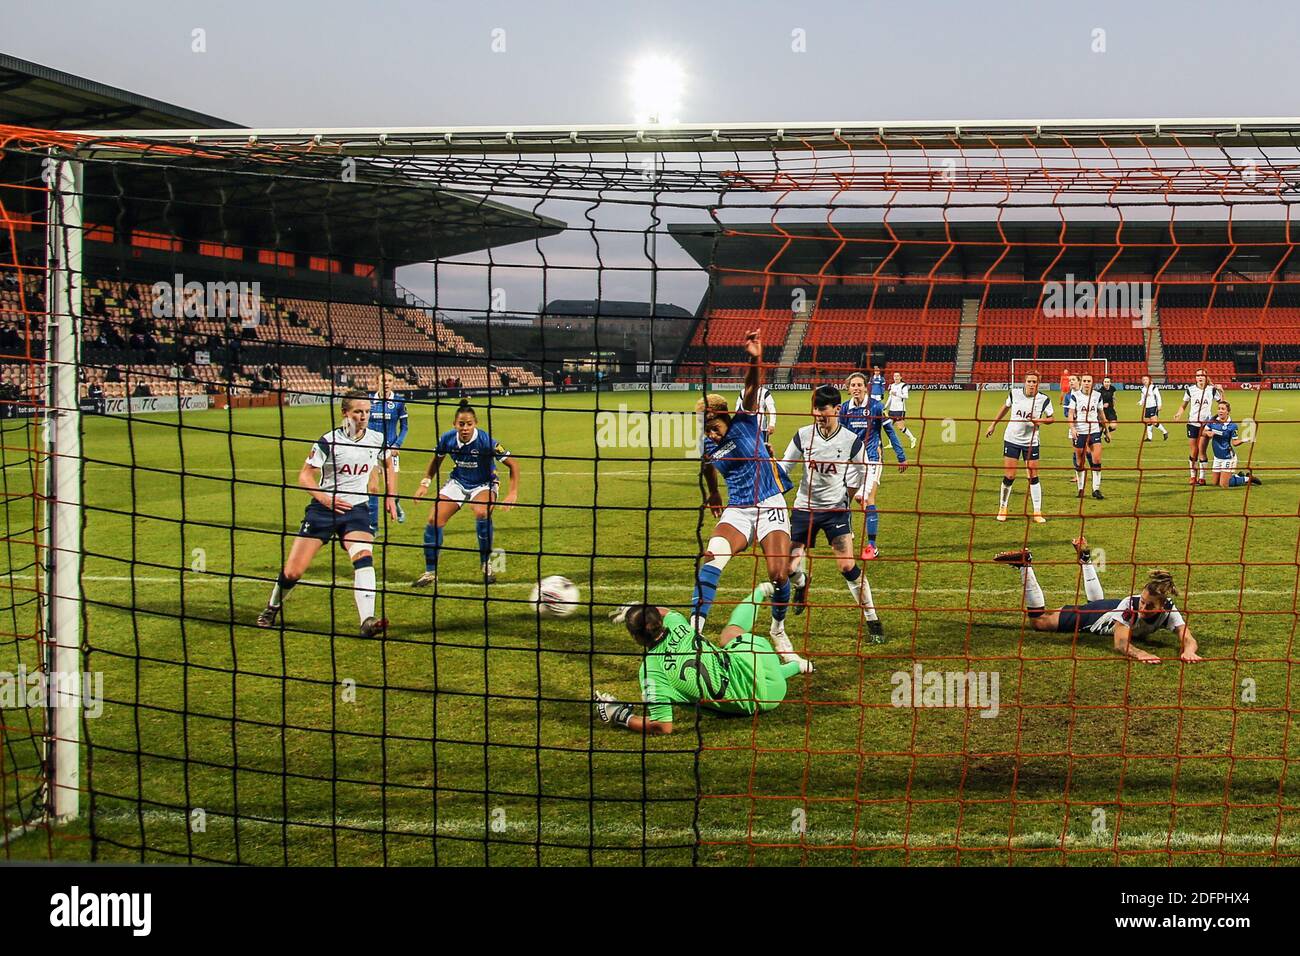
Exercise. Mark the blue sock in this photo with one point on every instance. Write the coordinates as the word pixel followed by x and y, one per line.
pixel 873 523
pixel 706 589
pixel 1236 480
pixel 484 528
pixel 374 514
pixel 781 601
pixel 432 545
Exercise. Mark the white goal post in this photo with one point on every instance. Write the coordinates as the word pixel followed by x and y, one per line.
pixel 1051 369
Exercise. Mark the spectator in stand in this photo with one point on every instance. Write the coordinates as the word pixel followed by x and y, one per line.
pixel 141 391
pixel 114 374
pixel 96 394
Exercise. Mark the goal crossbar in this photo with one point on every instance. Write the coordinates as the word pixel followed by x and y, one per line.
pixel 1252 132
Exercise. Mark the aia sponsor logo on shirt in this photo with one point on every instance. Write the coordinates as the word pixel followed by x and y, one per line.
pixel 346 469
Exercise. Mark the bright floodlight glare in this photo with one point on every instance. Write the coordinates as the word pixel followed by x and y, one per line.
pixel 657 86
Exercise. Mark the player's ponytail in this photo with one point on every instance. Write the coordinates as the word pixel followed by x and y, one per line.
pixel 1160 585
pixel 645 624
pixel 465 408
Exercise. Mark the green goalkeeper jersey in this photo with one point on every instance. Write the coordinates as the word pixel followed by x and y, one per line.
pixel 684 668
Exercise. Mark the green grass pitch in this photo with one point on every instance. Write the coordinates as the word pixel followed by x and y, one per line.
pixel 466 737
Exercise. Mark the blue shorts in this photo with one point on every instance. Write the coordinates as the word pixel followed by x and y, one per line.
pixel 1151 412
pixel 1193 431
pixel 805 524
pixel 1080 617
pixel 1083 441
pixel 320 522
pixel 1012 450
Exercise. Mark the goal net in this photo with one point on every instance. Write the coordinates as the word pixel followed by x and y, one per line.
pixel 295 425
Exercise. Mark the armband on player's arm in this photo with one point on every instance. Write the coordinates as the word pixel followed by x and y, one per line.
pixel 611 711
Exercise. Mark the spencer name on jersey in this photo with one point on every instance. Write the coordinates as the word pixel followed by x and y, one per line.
pixel 742 459
pixel 1021 429
pixel 1125 611
pixel 345 463
pixel 475 461
pixel 831 466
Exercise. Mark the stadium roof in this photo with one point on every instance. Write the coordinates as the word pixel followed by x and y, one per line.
pixel 612 308
pixel 381 217
pixel 972 249
pixel 44 98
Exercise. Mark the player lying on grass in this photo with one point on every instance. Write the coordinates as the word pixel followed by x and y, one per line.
pixel 1029 409
pixel 741 674
pixel 1126 619
pixel 474 479
pixel 1085 417
pixel 1199 401
pixel 339 474
pixel 755 509
pixel 1223 441
pixel 833 470
pixel 866 416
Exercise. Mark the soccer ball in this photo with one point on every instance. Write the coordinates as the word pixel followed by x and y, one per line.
pixel 555 596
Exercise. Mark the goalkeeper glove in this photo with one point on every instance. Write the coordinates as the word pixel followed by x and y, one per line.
pixel 619 614
pixel 610 710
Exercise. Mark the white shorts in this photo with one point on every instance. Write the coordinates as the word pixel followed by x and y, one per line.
pixel 1225 464
pixel 458 493
pixel 756 522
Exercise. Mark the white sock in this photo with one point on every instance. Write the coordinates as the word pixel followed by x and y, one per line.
pixel 1163 429
pixel 1149 433
pixel 697 623
pixel 277 598
pixel 799 578
pixel 1004 496
pixel 1033 593
pixel 1078 479
pixel 908 433
pixel 1096 479
pixel 1091 583
pixel 1036 496
pixel 363 589
pixel 861 592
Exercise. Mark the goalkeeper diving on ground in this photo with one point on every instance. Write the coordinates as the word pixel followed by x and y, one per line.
pixel 741 674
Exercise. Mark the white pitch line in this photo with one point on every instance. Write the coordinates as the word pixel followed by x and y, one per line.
pixel 403 585
pixel 839 836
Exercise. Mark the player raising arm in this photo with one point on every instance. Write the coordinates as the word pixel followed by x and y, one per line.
pixel 755 509
pixel 1029 410
pixel 1126 619
pixel 474 480
pixel 339 474
pixel 741 674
